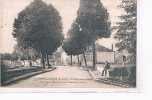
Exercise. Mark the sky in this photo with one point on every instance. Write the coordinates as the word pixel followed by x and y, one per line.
pixel 67 9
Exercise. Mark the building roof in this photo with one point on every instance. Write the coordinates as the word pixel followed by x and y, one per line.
pixel 100 48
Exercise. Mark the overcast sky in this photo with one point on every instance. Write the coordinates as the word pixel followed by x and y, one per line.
pixel 67 9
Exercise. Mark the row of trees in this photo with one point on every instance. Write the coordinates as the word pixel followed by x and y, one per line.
pixel 87 28
pixel 76 42
pixel 8 56
pixel 39 27
pixel 21 54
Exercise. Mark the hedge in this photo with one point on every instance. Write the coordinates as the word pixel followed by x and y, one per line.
pixel 128 74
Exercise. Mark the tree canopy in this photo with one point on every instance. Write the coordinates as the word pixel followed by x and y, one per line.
pixel 93 19
pixel 92 23
pixel 96 23
pixel 76 42
pixel 39 27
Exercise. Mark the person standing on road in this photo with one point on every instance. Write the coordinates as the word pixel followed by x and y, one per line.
pixel 106 68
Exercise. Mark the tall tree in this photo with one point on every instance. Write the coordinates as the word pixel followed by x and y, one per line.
pixel 126 28
pixel 68 48
pixel 94 21
pixel 39 27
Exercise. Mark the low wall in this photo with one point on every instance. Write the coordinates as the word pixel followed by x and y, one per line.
pixel 7 74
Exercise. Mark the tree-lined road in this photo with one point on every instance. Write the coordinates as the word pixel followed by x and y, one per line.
pixel 62 77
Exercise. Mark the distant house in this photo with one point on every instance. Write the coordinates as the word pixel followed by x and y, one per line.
pixel 102 54
pixel 59 57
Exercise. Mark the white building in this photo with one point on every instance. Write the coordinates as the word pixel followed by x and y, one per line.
pixel 102 54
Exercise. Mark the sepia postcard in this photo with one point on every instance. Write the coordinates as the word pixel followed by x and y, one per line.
pixel 68 45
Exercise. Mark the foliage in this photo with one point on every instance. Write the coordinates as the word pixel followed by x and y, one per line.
pixel 39 27
pixel 26 54
pixel 75 44
pixel 128 74
pixel 8 56
pixel 93 19
pixel 96 24
pixel 126 28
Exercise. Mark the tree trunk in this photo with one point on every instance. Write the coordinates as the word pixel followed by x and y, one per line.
pixel 30 63
pixel 94 55
pixel 71 59
pixel 47 59
pixel 85 61
pixel 42 60
pixel 78 59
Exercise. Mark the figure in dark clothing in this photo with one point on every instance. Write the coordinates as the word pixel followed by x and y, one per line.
pixel 30 63
pixel 124 59
pixel 80 63
pixel 106 68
